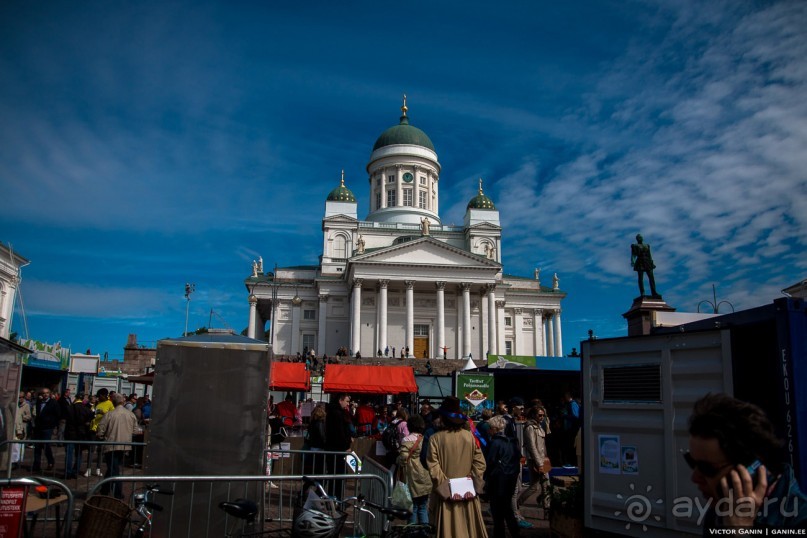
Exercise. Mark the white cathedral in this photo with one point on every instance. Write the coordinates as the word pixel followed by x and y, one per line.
pixel 400 279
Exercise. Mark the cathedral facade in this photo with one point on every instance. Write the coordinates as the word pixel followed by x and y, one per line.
pixel 401 281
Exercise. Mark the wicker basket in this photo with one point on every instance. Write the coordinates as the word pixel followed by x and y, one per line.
pixel 103 517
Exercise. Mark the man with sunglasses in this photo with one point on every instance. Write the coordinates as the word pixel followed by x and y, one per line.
pixel 727 438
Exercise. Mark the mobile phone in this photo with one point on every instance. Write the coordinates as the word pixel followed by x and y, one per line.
pixel 752 470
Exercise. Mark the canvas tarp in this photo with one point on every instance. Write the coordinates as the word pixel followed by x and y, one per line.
pixel 369 379
pixel 289 376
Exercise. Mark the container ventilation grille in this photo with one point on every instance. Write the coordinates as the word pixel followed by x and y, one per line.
pixel 632 383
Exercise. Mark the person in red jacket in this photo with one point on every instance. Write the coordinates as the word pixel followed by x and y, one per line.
pixel 365 416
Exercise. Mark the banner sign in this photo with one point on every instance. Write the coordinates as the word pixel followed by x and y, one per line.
pixel 565 364
pixel 50 356
pixel 475 392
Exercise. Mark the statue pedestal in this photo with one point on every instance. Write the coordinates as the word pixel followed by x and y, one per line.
pixel 640 315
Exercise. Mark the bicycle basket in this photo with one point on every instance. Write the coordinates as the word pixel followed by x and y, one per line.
pixel 315 524
pixel 103 517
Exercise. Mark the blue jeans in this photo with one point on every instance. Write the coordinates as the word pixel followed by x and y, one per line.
pixel 69 460
pixel 420 510
pixel 113 460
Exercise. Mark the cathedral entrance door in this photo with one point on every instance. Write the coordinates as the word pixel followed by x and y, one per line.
pixel 421 347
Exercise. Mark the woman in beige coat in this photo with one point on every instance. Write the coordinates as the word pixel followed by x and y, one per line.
pixel 453 453
pixel 535 447
pixel 414 474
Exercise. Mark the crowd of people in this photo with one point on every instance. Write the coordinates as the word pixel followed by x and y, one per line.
pixel 46 415
pixel 428 446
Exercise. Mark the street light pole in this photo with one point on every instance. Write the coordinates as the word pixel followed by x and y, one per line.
pixel 189 289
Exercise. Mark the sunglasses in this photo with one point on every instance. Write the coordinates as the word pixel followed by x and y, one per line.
pixel 707 469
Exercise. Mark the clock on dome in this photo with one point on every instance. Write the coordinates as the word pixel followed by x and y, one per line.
pixel 408 177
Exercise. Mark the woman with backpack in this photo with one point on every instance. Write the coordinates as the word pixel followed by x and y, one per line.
pixel 414 474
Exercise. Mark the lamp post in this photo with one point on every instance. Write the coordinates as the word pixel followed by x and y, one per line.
pixel 189 289
pixel 714 304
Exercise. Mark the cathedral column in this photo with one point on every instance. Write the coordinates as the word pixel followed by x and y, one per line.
pixel 493 346
pixel 518 348
pixel 253 310
pixel 355 326
pixel 466 318
pixel 295 324
pixel 558 336
pixel 410 315
pixel 441 318
pixel 538 335
pixel 321 331
pixel 500 323
pixel 382 314
pixel 550 335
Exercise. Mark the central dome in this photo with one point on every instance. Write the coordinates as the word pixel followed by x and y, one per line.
pixel 403 133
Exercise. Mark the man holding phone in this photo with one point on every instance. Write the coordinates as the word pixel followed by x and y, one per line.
pixel 736 461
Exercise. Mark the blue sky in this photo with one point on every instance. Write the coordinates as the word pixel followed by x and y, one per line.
pixel 149 144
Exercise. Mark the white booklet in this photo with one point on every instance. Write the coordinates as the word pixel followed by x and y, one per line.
pixel 461 486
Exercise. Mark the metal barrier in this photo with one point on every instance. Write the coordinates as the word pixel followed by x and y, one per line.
pixel 92 448
pixel 49 507
pixel 196 512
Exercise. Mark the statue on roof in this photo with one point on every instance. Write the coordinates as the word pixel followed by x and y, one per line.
pixel 260 265
pixel 424 226
pixel 642 262
pixel 360 245
pixel 555 282
pixel 538 275
pixel 254 268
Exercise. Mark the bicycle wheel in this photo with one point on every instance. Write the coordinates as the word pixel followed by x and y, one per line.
pixel 412 530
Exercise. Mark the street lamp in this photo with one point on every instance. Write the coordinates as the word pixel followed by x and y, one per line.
pixel 189 288
pixel 714 304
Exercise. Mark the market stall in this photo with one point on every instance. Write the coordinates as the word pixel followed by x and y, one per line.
pixel 289 376
pixel 355 379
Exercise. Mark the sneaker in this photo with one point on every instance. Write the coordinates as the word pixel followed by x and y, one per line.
pixel 98 472
pixel 88 473
pixel 524 524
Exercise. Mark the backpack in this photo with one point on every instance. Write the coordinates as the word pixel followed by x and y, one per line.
pixel 390 437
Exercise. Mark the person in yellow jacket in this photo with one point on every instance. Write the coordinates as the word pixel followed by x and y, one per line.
pixel 101 408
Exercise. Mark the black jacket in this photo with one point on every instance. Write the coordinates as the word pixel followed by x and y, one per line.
pixel 48 417
pixel 503 460
pixel 338 426
pixel 77 427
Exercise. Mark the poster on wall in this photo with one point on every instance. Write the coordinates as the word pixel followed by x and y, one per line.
pixel 630 460
pixel 610 453
pixel 475 392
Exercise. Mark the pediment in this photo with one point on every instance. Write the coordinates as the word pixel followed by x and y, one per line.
pixel 424 251
pixel 484 226
pixel 339 218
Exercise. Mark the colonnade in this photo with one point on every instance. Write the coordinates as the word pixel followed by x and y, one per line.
pixel 546 323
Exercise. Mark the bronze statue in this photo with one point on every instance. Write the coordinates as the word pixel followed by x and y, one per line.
pixel 642 262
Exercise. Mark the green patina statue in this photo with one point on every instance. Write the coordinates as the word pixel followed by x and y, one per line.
pixel 642 262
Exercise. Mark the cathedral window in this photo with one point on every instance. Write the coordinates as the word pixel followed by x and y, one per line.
pixel 378 200
pixel 390 198
pixel 378 181
pixel 407 197
pixel 339 247
pixel 390 179
pixel 508 347
pixel 423 180
pixel 310 314
pixel 422 199
pixel 508 321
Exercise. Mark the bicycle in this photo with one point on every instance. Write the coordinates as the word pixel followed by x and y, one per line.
pixel 318 515
pixel 145 507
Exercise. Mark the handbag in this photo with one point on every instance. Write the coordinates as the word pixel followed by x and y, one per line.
pixel 545 467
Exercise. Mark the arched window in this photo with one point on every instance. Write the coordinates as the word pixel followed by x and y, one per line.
pixel 339 244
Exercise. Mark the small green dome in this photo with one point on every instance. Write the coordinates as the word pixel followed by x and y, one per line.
pixel 341 193
pixel 481 201
pixel 403 133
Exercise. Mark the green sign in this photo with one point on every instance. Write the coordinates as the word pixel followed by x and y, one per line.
pixel 475 392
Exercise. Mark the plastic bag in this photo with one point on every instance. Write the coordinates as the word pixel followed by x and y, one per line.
pixel 400 496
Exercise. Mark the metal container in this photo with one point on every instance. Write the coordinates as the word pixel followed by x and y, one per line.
pixel 208 418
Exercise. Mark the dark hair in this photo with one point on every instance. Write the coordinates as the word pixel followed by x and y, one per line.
pixel 416 424
pixel 743 430
pixel 102 392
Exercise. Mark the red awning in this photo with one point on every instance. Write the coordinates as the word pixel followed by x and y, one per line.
pixel 369 379
pixel 289 376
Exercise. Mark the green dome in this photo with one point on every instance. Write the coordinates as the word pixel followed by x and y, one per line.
pixel 481 201
pixel 341 193
pixel 403 134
